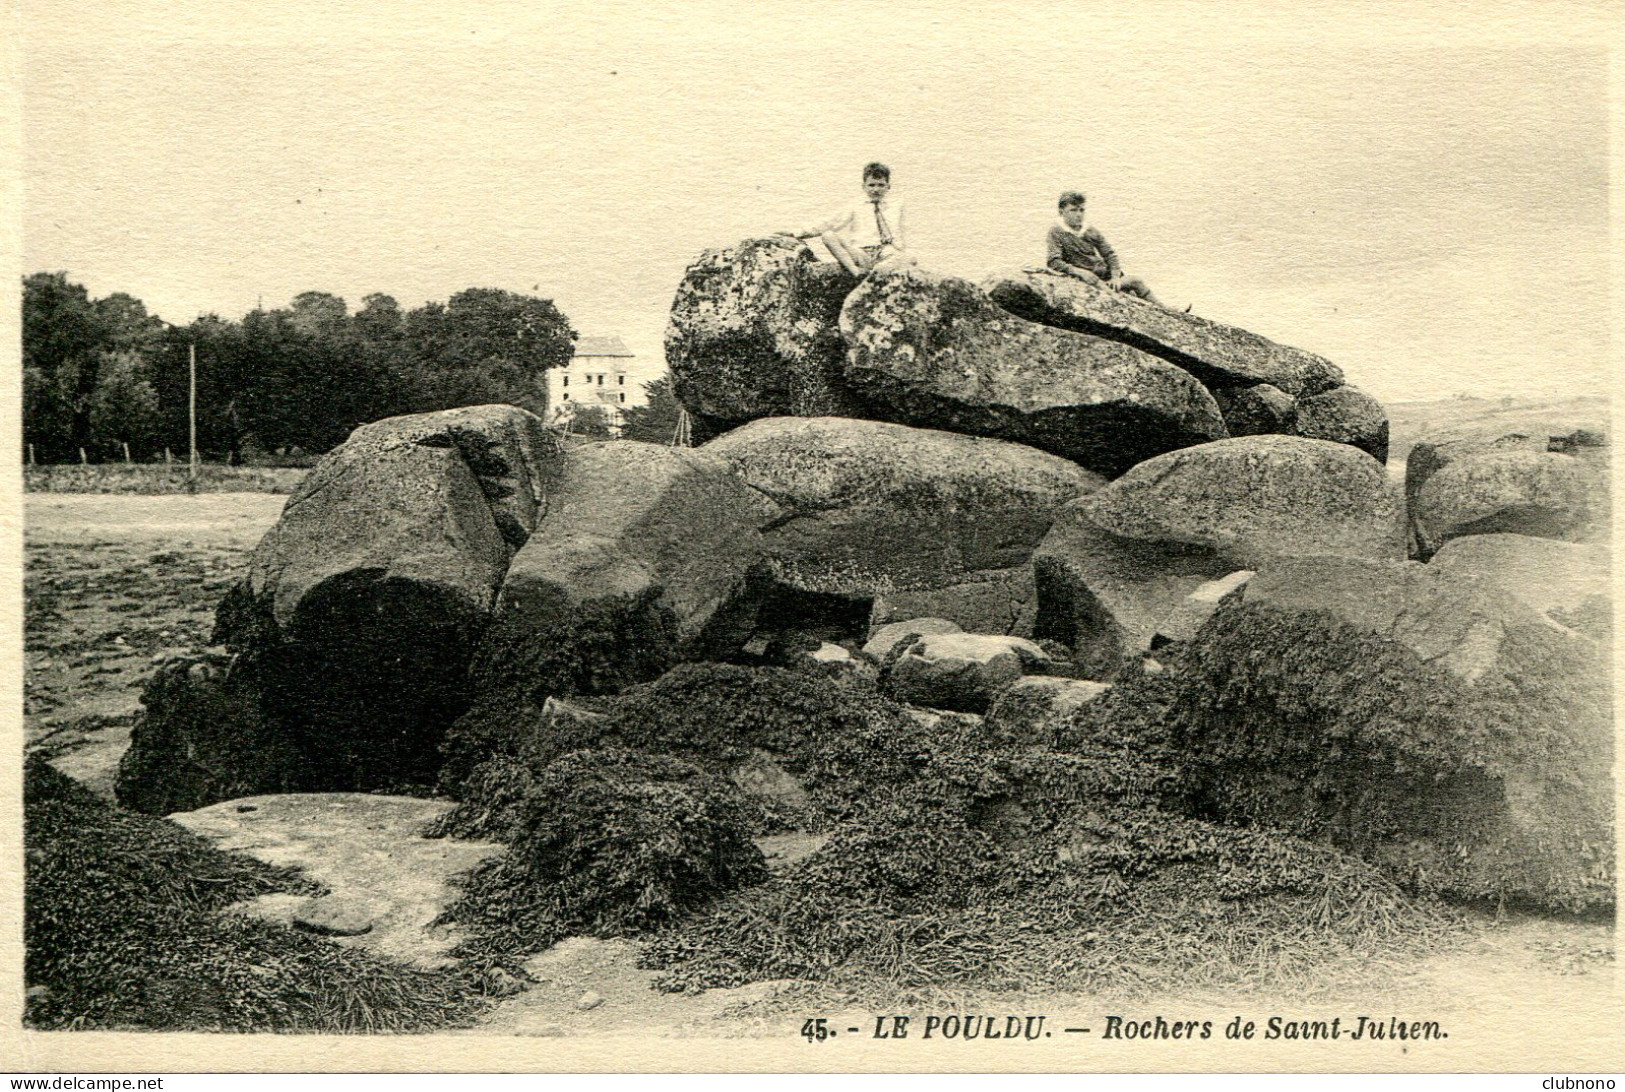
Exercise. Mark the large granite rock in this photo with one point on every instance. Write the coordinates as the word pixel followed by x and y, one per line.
pixel 1569 582
pixel 648 555
pixel 1429 457
pixel 1258 410
pixel 867 507
pixel 1119 562
pixel 438 501
pixel 753 334
pixel 1438 726
pixel 1220 356
pixel 959 671
pixel 361 604
pixel 1545 494
pixel 1345 415
pixel 998 601
pixel 938 353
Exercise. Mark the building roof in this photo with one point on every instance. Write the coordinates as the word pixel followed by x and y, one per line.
pixel 601 346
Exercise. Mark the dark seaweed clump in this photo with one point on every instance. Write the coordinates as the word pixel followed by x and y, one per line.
pixel 953 856
pixel 123 929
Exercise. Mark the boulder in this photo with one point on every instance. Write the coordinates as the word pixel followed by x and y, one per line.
pixel 1120 561
pixel 1220 356
pixel 1257 497
pixel 1197 607
pixel 887 642
pixel 1544 494
pixel 998 601
pixel 753 334
pixel 1569 582
pixel 1346 415
pixel 1429 457
pixel 867 507
pixel 1035 708
pixel 647 556
pixel 400 504
pixel 838 662
pixel 362 603
pixel 514 457
pixel 938 353
pixel 1257 410
pixel 959 671
pixel 1437 726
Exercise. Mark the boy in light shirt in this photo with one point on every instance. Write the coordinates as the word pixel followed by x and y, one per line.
pixel 863 236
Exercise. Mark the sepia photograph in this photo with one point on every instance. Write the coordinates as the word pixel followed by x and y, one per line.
pixel 810 537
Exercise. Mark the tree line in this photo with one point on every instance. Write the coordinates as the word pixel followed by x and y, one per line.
pixel 103 374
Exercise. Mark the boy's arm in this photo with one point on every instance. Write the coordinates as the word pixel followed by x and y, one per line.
pixel 1114 268
pixel 839 222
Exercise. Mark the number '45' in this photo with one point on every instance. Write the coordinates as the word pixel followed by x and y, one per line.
pixel 816 1031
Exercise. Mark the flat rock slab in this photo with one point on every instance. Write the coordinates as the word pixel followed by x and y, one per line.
pixel 884 640
pixel 386 881
pixel 1218 355
pixel 960 671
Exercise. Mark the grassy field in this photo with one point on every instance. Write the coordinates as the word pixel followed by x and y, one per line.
pixel 158 478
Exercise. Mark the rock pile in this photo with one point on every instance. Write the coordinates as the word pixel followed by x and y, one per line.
pixel 962 503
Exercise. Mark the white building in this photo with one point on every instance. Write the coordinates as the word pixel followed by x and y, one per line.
pixel 604 373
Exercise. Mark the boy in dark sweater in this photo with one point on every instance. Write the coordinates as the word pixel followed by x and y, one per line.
pixel 1083 252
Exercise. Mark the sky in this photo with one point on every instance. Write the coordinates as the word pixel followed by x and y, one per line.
pixel 1427 205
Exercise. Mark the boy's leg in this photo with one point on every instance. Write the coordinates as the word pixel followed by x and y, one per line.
pixel 1134 286
pixel 852 262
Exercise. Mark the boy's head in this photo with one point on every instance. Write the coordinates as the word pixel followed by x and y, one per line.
pixel 1071 205
pixel 876 180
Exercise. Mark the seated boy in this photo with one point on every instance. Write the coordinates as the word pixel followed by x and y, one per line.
pixel 1083 252
pixel 862 236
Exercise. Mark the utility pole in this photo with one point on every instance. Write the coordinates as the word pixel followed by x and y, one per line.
pixel 191 408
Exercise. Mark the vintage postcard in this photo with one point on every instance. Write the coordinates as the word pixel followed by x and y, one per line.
pixel 1061 537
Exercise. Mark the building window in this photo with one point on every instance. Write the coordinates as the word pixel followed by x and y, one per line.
pixel 566 379
pixel 600 379
pixel 623 396
pixel 621 379
pixel 566 396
